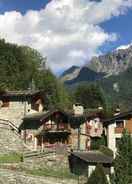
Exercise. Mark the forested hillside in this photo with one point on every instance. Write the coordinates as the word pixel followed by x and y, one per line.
pixel 112 72
pixel 119 89
pixel 23 68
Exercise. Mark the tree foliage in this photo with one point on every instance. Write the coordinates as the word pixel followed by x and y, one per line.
pixel 97 142
pixel 123 161
pixel 89 95
pixel 23 68
pixel 98 176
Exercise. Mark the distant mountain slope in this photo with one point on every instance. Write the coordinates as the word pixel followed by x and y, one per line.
pixel 110 64
pixel 71 73
pixel 119 88
pixel 84 75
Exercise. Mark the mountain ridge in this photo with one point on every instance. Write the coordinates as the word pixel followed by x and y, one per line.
pixel 109 64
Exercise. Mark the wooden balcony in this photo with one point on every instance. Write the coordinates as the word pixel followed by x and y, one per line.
pixel 56 128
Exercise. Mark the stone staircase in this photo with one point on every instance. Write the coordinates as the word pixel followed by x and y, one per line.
pixel 10 140
pixel 39 154
pixel 15 115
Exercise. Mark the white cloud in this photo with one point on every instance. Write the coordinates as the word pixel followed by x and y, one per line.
pixel 122 47
pixel 66 31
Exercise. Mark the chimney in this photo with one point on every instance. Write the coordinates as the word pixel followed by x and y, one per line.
pixel 78 109
pixel 100 108
pixel 117 111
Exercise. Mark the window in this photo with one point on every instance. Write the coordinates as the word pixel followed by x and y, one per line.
pixel 120 124
pixel 5 102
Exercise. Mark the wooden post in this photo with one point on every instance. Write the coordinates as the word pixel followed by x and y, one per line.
pixel 42 143
pixel 79 131
pixel 25 136
pixel 35 143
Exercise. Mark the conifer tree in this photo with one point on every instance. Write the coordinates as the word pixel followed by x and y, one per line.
pixel 123 161
pixel 98 176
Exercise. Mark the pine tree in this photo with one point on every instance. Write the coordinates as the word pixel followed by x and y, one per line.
pixel 123 161
pixel 98 176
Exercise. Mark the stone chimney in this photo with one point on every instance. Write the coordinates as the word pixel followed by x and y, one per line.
pixel 100 108
pixel 117 111
pixel 78 109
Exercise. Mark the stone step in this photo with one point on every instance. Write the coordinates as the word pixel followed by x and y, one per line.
pixel 37 154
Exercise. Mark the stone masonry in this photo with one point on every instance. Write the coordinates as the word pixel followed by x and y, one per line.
pixel 13 177
pixel 10 140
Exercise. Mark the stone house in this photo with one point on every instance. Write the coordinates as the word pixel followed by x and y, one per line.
pixel 45 129
pixel 14 105
pixel 72 128
pixel 114 127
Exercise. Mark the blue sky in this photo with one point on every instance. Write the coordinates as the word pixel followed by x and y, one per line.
pixel 63 31
pixel 21 5
pixel 121 25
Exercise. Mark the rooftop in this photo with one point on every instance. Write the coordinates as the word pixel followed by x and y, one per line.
pixel 93 157
pixel 120 116
pixel 19 93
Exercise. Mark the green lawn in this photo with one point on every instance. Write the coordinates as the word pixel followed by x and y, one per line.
pixel 11 158
pixel 49 172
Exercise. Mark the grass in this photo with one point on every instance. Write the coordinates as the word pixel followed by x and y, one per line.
pixel 61 173
pixel 11 158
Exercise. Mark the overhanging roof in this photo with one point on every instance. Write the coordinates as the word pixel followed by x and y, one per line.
pixel 93 157
pixel 36 119
pixel 19 93
pixel 118 117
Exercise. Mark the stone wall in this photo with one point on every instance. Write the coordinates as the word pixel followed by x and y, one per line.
pixel 13 177
pixel 15 112
pixel 9 140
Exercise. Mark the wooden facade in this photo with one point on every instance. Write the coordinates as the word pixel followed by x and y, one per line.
pixel 59 127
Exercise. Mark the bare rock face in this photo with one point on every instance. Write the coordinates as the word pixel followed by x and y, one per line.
pixel 110 64
pixel 70 74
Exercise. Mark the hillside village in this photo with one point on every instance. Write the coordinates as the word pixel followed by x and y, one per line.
pixel 76 139
pixel 53 134
pixel 65 92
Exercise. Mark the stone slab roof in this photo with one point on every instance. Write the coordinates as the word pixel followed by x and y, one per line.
pixel 93 157
pixel 119 116
pixel 19 93
pixel 38 118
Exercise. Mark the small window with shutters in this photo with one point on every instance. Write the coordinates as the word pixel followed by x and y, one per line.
pixel 119 123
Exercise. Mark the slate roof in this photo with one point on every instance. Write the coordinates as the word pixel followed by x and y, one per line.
pixel 120 116
pixel 19 93
pixel 93 157
pixel 36 119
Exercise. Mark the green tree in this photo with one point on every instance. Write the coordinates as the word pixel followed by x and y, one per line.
pixel 23 68
pixel 123 161
pixel 89 95
pixel 98 176
pixel 97 142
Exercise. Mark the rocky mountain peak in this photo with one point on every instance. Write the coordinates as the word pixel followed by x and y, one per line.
pixel 109 64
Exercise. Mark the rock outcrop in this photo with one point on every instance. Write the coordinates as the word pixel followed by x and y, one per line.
pixel 111 64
